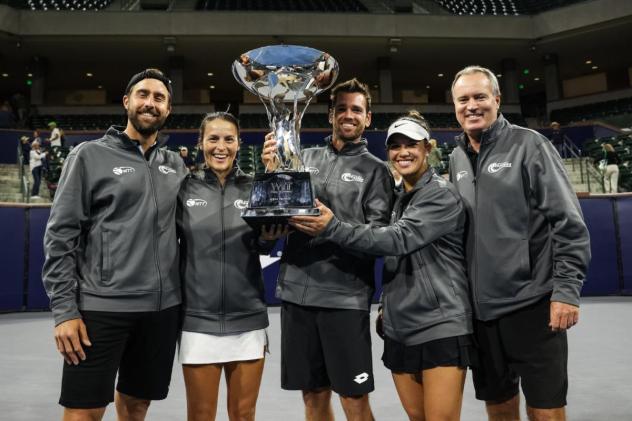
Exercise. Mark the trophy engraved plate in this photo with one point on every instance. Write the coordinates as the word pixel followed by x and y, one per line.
pixel 285 78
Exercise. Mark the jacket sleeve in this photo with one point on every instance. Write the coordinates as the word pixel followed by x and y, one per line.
pixel 556 199
pixel 69 213
pixel 428 217
pixel 378 200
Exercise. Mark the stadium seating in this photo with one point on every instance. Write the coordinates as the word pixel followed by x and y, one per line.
pixel 380 121
pixel 68 5
pixel 325 6
pixel 593 111
pixel 623 147
pixel 501 7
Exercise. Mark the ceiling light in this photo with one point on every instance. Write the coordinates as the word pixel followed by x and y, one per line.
pixel 212 87
pixel 588 61
pixel 440 74
pixel 89 74
pixel 536 79
pixel 29 74
pixel 5 75
pixel 595 67
pixel 499 75
pixel 209 74
pixel 427 86
pixel 100 87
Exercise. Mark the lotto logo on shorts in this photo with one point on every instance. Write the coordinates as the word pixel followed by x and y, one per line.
pixel 361 378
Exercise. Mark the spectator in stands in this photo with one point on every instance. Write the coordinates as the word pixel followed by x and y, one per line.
pixel 434 157
pixel 55 135
pixel 188 161
pixel 36 157
pixel 25 148
pixel 36 137
pixel 221 332
pixel 527 250
pixel 426 314
pixel 19 102
pixel 111 268
pixel 557 138
pixel 326 290
pixel 7 119
pixel 611 172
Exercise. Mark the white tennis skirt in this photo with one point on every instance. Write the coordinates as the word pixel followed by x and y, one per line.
pixel 204 348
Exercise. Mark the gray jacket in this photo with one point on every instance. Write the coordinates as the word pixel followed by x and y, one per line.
pixel 358 187
pixel 426 294
pixel 526 236
pixel 221 272
pixel 110 241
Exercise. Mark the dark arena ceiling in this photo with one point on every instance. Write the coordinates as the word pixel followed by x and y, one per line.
pixel 416 60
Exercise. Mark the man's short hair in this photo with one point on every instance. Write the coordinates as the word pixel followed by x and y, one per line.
pixel 350 86
pixel 469 70
pixel 149 74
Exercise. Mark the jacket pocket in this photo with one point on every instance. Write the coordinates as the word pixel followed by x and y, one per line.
pixel 504 271
pixel 409 298
pixel 105 257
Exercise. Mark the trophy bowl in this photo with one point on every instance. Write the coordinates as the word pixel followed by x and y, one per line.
pixel 285 78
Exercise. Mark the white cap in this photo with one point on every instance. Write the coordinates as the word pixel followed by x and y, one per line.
pixel 408 128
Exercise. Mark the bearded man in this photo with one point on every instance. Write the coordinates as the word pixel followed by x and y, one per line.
pixel 325 290
pixel 111 269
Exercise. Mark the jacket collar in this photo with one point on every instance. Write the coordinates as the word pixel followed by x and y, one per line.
pixel 489 135
pixel 121 138
pixel 349 148
pixel 211 178
pixel 425 179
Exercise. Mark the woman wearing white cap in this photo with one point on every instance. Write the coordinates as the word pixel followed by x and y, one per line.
pixel 426 314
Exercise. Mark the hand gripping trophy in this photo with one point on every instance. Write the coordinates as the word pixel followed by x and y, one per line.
pixel 285 78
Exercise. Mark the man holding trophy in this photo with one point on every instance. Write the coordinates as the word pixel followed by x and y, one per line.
pixel 325 290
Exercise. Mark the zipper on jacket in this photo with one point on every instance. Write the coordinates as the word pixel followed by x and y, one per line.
pixel 475 275
pixel 155 242
pixel 330 169
pixel 222 310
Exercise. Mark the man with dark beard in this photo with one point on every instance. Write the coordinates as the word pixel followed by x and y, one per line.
pixel 111 269
pixel 326 290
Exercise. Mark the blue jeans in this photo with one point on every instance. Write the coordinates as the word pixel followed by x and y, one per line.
pixel 37 178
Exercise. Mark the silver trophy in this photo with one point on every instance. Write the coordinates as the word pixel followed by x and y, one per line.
pixel 285 78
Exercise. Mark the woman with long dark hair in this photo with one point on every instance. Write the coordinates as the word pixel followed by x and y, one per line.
pixel 225 314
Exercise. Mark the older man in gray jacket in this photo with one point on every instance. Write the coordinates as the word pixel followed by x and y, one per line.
pixel 527 251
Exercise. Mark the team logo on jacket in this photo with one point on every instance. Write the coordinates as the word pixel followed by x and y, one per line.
pixel 361 378
pixel 460 175
pixel 241 204
pixel 312 170
pixel 166 170
pixel 352 177
pixel 196 202
pixel 494 167
pixel 123 170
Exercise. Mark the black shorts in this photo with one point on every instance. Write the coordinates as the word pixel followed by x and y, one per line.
pixel 139 345
pixel 520 348
pixel 455 351
pixel 326 348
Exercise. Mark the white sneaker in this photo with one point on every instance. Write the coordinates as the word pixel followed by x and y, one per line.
pixel 35 197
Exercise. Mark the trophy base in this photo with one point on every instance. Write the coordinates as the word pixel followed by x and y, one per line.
pixel 276 197
pixel 257 218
